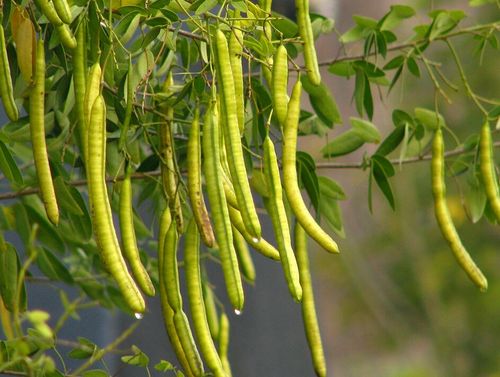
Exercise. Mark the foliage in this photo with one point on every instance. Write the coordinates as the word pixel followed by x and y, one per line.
pixel 137 45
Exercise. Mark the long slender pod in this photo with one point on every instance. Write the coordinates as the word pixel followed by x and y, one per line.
pixel 306 33
pixel 66 36
pixel 196 301
pixel 79 79
pixel 92 90
pixel 290 182
pixel 37 128
pixel 170 269
pixel 280 84
pixel 48 10
pixel 200 213
pixel 174 299
pixel 244 258
pixel 186 338
pixel 168 313
pixel 443 217
pixel 487 169
pixel 220 215
pixel 232 137
pixel 224 343
pixel 279 220
pixel 129 241
pixel 210 307
pixel 235 52
pixel 168 165
pixel 6 88
pixel 261 246
pixel 102 220
pixel 309 316
pixel 63 10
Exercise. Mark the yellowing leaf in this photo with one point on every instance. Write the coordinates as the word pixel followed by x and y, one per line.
pixel 23 33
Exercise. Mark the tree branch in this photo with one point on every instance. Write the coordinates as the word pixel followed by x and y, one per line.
pixel 472 29
pixel 319 165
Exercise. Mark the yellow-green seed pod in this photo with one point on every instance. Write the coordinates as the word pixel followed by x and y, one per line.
pixel 443 217
pixel 306 33
pixel 224 343
pixel 102 219
pixel 6 88
pixel 309 316
pixel 37 128
pixel 244 258
pixel 487 169
pixel 280 84
pixel 130 249
pixel 290 180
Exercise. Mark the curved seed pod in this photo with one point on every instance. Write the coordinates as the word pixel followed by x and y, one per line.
pixel 224 343
pixel 63 10
pixel 279 220
pixel 48 10
pixel 262 246
pixel 443 215
pixel 66 36
pixel 290 182
pixel 306 33
pixel 244 258
pixel 79 78
pixel 169 165
pixel 130 250
pixel 487 169
pixel 235 52
pixel 232 138
pixel 280 84
pixel 168 313
pixel 37 128
pixel 309 316
pixel 188 345
pixel 170 268
pixel 210 308
pixel 196 302
pixel 92 90
pixel 6 89
pixel 217 199
pixel 102 220
pixel 195 193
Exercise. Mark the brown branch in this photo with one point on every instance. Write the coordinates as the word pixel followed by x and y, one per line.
pixel 319 165
pixel 473 29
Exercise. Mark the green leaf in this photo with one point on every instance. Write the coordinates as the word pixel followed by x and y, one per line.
pixel 367 131
pixel 355 34
pixel 95 373
pixel 431 120
pixel 478 3
pixel 359 90
pixel 343 144
pixel 85 350
pixel 138 358
pixel 284 25
pixel 65 197
pixel 306 168
pixel 52 267
pixel 330 189
pixel 413 67
pixel 395 62
pixel 444 21
pixel 9 268
pixel 9 167
pixel 164 366
pixel 331 212
pixel 311 124
pixel 475 199
pixel 400 118
pixel 47 234
pixel 397 14
pixel 344 69
pixel 391 142
pixel 323 102
pixel 202 6
pixel 381 170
